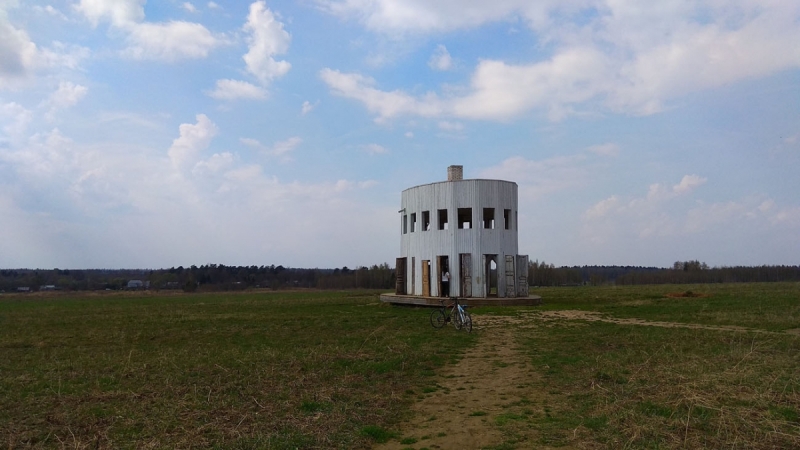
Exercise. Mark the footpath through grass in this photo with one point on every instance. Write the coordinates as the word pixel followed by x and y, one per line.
pixel 240 370
pixel 608 385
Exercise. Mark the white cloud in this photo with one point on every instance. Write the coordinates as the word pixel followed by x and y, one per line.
pixel 213 5
pixel 440 60
pixel 121 13
pixel 409 134
pixel 14 121
pixel 266 39
pixel 626 59
pixel 280 149
pixel 218 162
pixel 688 183
pixel 385 104
pixel 375 149
pixel 236 89
pixel 20 57
pixel 167 41
pixel 67 95
pixel 602 207
pixel 307 107
pixel 189 7
pixel 192 140
pixel 170 41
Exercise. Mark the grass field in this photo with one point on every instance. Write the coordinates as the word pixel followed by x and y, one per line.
pixel 340 370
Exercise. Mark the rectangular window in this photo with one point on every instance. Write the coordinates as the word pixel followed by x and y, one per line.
pixel 405 223
pixel 426 220
pixel 488 218
pixel 464 218
pixel 442 219
pixel 516 220
pixel 413 222
pixel 507 218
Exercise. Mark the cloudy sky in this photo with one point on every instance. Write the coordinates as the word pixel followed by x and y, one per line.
pixel 140 134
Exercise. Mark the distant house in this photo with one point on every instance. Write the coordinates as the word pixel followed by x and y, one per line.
pixel 138 284
pixel 47 287
pixel 23 289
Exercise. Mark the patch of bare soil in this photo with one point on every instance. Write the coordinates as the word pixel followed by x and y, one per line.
pixel 461 414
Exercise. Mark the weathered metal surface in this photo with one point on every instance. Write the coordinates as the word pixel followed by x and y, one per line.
pixel 428 243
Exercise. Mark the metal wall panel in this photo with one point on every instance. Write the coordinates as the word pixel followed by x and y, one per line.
pixel 428 244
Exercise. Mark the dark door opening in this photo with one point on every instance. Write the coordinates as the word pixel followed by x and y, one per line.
pixel 443 275
pixel 400 276
pixel 491 275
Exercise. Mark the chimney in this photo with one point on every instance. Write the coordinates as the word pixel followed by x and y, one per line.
pixel 455 173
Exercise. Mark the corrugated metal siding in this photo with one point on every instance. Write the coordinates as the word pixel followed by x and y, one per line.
pixel 451 195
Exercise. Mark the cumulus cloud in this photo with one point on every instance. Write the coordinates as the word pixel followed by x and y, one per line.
pixel 625 59
pixel 170 41
pixel 688 183
pixel 266 39
pixel 121 13
pixel 193 139
pixel 189 7
pixel 440 60
pixel 20 57
pixel 167 41
pixel 385 104
pixel 236 89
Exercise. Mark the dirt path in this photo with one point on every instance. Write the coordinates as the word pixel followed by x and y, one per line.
pixel 462 413
pixel 473 395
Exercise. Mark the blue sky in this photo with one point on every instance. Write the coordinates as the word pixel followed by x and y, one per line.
pixel 141 134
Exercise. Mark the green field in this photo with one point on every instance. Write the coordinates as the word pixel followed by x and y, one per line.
pixel 339 370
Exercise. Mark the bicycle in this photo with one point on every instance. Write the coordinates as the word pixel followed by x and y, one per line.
pixel 456 313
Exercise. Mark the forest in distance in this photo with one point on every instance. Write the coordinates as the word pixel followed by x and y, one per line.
pixel 219 277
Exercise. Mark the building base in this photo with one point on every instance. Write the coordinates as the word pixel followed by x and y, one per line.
pixel 417 300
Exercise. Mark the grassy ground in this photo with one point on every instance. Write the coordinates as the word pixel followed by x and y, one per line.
pixel 282 370
pixel 338 369
pixel 606 385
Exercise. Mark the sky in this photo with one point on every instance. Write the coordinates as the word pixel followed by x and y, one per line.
pixel 140 134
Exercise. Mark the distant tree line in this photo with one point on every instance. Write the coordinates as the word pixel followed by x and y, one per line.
pixel 681 272
pixel 211 277
pixel 219 277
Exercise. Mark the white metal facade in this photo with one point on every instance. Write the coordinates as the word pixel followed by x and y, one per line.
pixel 498 240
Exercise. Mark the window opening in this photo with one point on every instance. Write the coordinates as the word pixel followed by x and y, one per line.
pixel 426 220
pixel 413 222
pixel 464 218
pixel 442 219
pixel 507 218
pixel 488 218
pixel 405 223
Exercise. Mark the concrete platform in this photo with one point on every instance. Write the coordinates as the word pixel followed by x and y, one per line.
pixel 417 300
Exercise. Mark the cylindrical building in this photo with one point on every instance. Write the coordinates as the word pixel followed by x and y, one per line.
pixel 459 239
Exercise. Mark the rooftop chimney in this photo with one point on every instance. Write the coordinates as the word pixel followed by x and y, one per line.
pixel 455 173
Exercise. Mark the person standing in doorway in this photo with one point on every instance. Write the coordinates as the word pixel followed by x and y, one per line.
pixel 445 283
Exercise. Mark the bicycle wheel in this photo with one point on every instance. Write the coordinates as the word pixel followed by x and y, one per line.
pixel 457 319
pixel 437 318
pixel 467 322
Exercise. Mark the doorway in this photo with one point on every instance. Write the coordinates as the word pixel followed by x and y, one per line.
pixel 400 276
pixel 490 270
pixel 426 278
pixel 442 275
pixel 466 274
